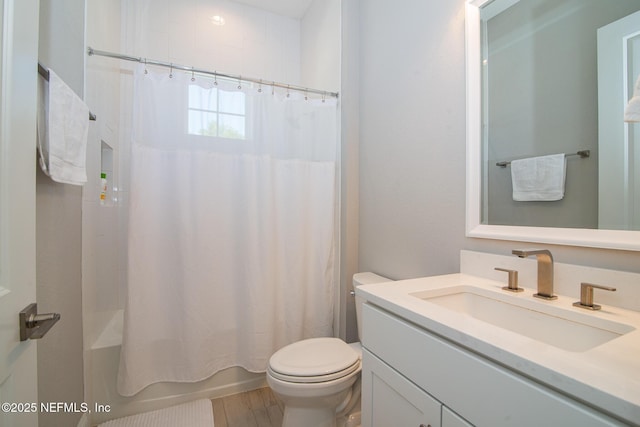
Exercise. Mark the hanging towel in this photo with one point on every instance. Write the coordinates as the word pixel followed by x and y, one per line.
pixel 539 178
pixel 63 127
pixel 632 111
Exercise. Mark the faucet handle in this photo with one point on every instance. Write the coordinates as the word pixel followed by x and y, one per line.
pixel 586 296
pixel 513 280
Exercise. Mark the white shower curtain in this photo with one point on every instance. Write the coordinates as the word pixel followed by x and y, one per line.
pixel 231 240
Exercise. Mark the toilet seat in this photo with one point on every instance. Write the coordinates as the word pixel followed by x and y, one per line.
pixel 314 360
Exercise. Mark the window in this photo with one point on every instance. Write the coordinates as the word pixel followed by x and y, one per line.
pixel 217 113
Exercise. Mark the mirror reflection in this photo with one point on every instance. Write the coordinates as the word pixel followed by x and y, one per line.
pixel 556 76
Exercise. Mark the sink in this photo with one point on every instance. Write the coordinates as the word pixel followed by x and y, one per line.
pixel 562 328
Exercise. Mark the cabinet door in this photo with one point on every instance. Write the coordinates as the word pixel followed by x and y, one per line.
pixel 389 399
pixel 451 419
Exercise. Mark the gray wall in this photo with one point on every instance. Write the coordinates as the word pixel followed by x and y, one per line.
pixel 543 99
pixel 350 139
pixel 412 145
pixel 58 231
pixel 412 137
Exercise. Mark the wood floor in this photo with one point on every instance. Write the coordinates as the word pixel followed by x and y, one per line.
pixel 257 408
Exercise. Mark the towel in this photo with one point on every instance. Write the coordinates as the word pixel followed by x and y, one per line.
pixel 632 111
pixel 63 127
pixel 539 178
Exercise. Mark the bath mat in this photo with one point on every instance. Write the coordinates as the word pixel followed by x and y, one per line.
pixel 198 413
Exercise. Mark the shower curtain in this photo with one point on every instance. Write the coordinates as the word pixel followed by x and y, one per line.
pixel 232 211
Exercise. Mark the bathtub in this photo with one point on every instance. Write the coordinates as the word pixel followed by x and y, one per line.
pixel 103 363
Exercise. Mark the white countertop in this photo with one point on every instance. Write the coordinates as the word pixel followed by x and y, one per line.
pixel 606 377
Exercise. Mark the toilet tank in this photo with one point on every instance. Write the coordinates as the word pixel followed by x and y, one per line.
pixel 364 279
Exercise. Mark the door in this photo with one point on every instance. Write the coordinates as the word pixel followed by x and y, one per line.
pixel 18 79
pixel 389 399
pixel 618 142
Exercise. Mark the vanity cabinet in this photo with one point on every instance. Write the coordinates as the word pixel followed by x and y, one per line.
pixel 411 376
pixel 396 401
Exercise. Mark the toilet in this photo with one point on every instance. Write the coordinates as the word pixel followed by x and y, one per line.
pixel 318 379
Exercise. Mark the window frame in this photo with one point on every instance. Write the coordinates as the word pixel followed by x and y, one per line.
pixel 217 112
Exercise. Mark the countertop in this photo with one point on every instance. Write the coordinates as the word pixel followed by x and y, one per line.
pixel 606 377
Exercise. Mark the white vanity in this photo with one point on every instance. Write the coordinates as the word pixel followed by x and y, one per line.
pixel 457 350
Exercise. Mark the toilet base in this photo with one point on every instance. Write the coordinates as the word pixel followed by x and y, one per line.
pixel 316 417
pixel 351 420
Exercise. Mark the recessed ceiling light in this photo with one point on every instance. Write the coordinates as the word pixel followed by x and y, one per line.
pixel 217 20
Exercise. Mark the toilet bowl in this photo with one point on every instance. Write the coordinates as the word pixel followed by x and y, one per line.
pixel 315 377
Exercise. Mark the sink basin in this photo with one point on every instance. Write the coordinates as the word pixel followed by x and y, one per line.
pixel 561 328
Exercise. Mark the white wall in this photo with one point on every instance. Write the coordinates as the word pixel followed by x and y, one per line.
pixel 320 62
pixel 103 290
pixel 412 146
pixel 412 137
pixel 320 45
pixel 349 167
pixel 252 42
pixel 59 232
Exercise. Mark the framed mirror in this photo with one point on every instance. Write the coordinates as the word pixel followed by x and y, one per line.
pixel 552 77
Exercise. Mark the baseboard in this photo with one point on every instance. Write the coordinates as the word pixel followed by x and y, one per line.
pixel 84 421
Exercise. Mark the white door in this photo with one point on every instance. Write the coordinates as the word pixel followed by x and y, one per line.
pixel 389 399
pixel 18 79
pixel 619 143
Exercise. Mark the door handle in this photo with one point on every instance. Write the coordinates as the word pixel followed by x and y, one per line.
pixel 33 325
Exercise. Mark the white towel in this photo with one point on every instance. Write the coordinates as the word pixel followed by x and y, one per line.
pixel 632 111
pixel 539 178
pixel 63 128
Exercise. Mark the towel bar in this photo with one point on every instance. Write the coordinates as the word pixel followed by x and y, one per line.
pixel 582 153
pixel 45 74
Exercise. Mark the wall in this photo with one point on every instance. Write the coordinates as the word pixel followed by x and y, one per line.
pixel 350 141
pixel 320 45
pixel 412 146
pixel 58 231
pixel 412 137
pixel 252 42
pixel 103 289
pixel 320 63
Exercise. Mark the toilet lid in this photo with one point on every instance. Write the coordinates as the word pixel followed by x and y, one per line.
pixel 314 357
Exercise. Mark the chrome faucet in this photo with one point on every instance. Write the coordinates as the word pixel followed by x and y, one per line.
pixel 545 271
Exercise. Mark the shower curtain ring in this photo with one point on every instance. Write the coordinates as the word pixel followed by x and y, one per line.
pixel 260 86
pixel 171 70
pixel 306 94
pixel 273 88
pixel 288 94
pixel 145 66
pixel 239 82
pixel 193 78
pixel 324 95
pixel 215 78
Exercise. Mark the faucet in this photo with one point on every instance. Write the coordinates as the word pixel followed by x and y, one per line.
pixel 586 295
pixel 545 271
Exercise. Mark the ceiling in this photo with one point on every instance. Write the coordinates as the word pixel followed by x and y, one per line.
pixel 291 8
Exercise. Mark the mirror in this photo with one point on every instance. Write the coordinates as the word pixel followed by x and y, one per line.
pixel 542 79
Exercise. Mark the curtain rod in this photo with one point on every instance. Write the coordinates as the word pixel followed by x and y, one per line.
pixel 91 51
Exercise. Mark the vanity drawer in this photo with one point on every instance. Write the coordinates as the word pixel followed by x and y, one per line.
pixel 477 389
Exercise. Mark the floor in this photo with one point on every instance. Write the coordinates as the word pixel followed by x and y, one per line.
pixel 257 408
